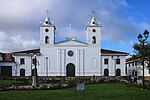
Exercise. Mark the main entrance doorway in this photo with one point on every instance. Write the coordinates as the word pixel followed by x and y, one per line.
pixel 70 70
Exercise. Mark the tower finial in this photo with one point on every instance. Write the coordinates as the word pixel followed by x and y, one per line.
pixel 70 29
pixel 93 12
pixel 47 13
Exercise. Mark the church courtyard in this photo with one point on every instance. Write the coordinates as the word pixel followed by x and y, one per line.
pixel 111 91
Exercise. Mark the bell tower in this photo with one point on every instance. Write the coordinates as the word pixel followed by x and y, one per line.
pixel 93 32
pixel 47 32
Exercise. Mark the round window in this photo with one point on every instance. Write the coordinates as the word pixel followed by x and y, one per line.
pixel 46 22
pixel 93 22
pixel 70 53
pixel 46 30
pixel 94 30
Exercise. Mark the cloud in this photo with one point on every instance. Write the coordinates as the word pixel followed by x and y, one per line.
pixel 20 19
pixel 16 42
pixel 69 32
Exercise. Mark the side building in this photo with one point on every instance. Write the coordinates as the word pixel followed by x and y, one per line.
pixel 7 65
pixel 134 68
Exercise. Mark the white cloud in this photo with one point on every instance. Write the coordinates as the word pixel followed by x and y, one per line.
pixel 17 42
pixel 19 20
pixel 69 32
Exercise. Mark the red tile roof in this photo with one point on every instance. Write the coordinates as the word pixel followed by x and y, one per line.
pixel 103 51
pixel 6 57
pixel 29 51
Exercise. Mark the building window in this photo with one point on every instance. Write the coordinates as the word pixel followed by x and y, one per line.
pixel 94 30
pixel 46 30
pixel 22 61
pixel 70 53
pixel 46 40
pixel 118 61
pixel 106 72
pixel 93 40
pixel 106 61
pixel 94 62
pixel 46 22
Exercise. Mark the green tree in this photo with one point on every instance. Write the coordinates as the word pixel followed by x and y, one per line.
pixel 142 51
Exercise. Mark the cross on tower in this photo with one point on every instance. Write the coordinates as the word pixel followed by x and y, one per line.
pixel 70 29
pixel 93 12
pixel 47 13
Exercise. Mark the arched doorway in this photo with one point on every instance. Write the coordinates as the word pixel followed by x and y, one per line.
pixel 118 72
pixel 70 70
pixel 22 72
pixel 106 72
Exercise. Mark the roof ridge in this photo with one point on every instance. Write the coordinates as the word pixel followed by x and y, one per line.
pixel 25 51
pixel 112 51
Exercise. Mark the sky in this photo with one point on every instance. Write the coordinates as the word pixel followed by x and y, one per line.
pixel 121 20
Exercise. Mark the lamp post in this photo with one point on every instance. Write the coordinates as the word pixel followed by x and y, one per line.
pixel 46 66
pixel 142 42
pixel 35 76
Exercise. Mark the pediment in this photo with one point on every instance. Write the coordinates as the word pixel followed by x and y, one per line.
pixel 71 43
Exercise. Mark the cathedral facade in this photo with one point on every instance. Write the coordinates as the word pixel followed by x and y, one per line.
pixel 70 57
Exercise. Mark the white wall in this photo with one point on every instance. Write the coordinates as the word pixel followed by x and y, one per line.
pixel 138 68
pixel 82 59
pixel 112 66
pixel 87 61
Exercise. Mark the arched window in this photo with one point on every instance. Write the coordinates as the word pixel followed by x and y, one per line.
pixel 93 40
pixel 46 40
pixel 106 72
pixel 118 72
pixel 94 62
pixel 22 72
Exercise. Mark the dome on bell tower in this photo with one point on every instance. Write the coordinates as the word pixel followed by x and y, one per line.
pixel 47 20
pixel 93 21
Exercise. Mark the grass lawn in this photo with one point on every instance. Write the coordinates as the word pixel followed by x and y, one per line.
pixel 7 81
pixel 112 91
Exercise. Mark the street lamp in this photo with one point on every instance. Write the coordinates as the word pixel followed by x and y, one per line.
pixel 35 76
pixel 46 66
pixel 35 68
pixel 142 41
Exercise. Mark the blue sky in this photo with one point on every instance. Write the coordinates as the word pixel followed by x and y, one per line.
pixel 122 21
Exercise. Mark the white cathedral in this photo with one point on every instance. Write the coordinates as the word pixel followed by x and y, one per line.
pixel 70 57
